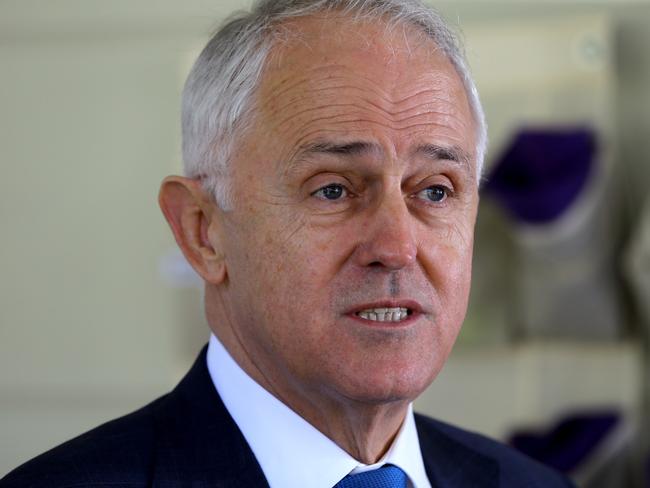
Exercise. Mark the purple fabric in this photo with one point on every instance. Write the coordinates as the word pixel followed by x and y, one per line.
pixel 542 172
pixel 570 443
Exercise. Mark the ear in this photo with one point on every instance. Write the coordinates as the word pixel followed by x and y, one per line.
pixel 195 221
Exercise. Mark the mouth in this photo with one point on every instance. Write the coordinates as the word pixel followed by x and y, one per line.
pixel 387 312
pixel 392 314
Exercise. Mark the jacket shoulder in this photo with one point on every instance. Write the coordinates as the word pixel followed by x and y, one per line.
pixel 117 453
pixel 514 468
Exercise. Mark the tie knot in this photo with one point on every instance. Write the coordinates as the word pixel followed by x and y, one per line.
pixel 388 476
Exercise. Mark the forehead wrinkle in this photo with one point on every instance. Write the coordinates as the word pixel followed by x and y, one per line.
pixel 271 97
pixel 391 121
pixel 305 134
pixel 386 122
pixel 433 101
pixel 440 103
pixel 434 81
pixel 309 93
pixel 299 159
pixel 394 118
pixel 436 85
pixel 307 76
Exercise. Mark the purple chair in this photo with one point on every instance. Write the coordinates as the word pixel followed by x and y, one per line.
pixel 542 172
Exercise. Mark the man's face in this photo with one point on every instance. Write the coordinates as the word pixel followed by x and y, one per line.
pixel 348 249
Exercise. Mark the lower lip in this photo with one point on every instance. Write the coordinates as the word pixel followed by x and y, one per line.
pixel 409 320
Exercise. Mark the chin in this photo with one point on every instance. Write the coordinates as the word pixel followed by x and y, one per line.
pixel 382 387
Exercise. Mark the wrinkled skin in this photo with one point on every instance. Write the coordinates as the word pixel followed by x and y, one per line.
pixel 354 187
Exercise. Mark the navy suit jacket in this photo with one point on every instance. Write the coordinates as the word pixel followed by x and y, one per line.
pixel 187 438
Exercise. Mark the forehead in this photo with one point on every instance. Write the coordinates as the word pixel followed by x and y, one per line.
pixel 330 76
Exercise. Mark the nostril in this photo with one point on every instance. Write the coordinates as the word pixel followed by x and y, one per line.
pixel 376 264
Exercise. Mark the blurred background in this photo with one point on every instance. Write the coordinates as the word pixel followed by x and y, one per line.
pixel 99 314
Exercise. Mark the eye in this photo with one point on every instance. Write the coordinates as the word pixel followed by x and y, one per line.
pixel 332 191
pixel 435 194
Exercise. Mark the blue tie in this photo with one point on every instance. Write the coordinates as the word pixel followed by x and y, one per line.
pixel 388 476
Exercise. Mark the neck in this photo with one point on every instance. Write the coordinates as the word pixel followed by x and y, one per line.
pixel 364 429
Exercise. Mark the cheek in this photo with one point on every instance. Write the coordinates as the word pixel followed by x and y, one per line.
pixel 448 263
pixel 290 261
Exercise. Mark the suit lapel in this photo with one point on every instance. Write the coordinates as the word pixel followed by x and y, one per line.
pixel 450 464
pixel 198 442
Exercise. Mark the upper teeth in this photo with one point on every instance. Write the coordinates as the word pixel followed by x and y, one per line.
pixel 384 314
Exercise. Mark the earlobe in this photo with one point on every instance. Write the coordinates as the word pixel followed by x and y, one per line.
pixel 191 215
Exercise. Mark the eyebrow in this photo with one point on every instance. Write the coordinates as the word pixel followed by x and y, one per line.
pixel 449 153
pixel 433 152
pixel 325 147
pixel 356 148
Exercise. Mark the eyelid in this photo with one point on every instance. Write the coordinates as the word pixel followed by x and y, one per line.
pixel 321 180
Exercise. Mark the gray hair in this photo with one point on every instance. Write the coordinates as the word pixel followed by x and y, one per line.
pixel 219 91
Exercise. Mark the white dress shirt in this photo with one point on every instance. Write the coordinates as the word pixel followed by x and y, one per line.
pixel 290 451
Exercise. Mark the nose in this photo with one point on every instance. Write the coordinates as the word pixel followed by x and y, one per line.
pixel 387 235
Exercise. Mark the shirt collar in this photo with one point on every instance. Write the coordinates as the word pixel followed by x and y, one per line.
pixel 288 448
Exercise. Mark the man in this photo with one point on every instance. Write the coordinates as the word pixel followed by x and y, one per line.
pixel 333 153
